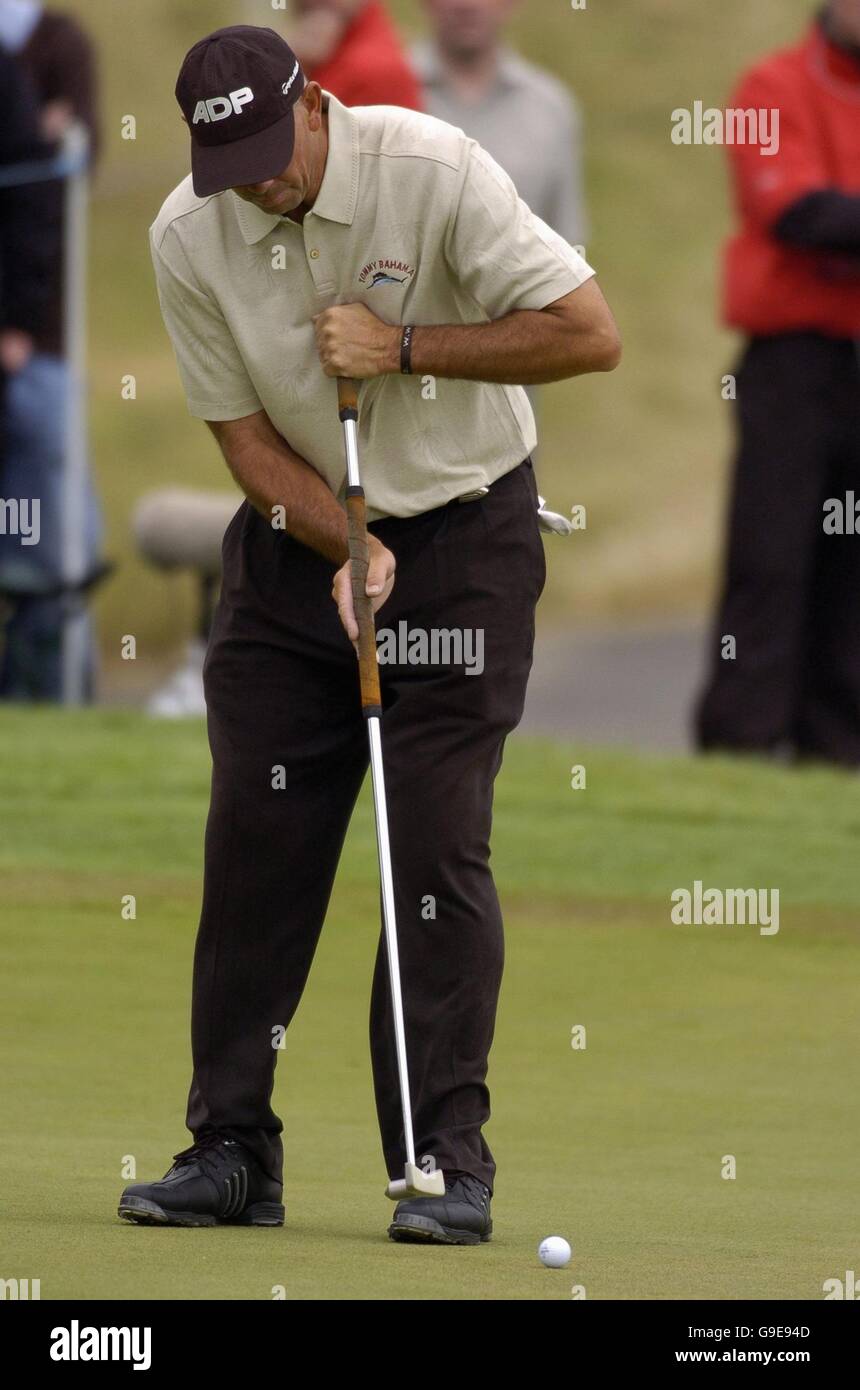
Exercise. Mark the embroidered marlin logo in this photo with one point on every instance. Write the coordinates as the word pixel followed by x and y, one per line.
pixel 386 270
pixel 380 278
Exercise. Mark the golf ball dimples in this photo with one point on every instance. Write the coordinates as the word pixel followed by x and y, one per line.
pixel 554 1252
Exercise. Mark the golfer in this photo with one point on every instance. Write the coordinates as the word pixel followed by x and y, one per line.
pixel 313 241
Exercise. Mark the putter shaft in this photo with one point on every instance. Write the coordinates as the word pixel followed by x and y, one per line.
pixel 372 706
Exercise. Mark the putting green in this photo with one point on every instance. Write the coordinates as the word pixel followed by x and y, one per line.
pixel 701 1041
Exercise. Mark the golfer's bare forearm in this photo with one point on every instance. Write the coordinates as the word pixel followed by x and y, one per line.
pixel 526 347
pixel 273 476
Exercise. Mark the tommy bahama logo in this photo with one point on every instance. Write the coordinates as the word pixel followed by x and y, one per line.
pixel 385 271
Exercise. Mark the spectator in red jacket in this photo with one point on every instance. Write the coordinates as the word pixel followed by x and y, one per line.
pixel 791 602
pixel 351 48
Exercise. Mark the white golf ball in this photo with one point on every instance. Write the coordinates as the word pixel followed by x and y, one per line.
pixel 554 1252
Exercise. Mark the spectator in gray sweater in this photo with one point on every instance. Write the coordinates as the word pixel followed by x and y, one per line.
pixel 524 117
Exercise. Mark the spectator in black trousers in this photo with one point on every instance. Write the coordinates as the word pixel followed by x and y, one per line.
pixel 58 58
pixel 785 674
pixel 25 255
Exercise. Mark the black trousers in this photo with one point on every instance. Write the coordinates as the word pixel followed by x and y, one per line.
pixel 281 683
pixel 792 592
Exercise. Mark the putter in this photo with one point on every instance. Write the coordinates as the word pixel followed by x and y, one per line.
pixel 414 1183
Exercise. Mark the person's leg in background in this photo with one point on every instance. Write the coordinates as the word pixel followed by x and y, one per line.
pixel 788 437
pixel 32 467
pixel 829 722
pixel 474 567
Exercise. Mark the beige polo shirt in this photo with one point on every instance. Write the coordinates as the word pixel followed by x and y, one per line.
pixel 412 219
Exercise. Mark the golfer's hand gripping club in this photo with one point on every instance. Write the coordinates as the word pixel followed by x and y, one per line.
pixel 364 583
pixel 356 515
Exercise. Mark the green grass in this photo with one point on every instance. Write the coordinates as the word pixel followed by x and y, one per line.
pixel 701 1041
pixel 645 448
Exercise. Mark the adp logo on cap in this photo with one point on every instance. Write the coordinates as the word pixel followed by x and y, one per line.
pixel 219 108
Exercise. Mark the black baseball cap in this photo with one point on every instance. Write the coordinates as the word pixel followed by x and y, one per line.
pixel 237 89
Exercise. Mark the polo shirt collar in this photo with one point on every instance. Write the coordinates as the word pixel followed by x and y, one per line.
pixel 338 195
pixel 254 224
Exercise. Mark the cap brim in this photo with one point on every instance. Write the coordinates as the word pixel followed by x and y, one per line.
pixel 253 159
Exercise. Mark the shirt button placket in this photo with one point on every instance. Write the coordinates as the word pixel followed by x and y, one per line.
pixel 317 269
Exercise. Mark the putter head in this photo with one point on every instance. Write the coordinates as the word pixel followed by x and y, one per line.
pixel 415 1183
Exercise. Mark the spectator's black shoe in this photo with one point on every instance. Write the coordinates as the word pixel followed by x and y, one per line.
pixel 216 1182
pixel 461 1217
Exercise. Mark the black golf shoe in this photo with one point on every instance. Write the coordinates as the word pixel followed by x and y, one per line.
pixel 461 1217
pixel 216 1182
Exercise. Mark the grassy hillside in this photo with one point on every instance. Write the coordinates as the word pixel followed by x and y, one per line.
pixel 645 449
pixel 702 1042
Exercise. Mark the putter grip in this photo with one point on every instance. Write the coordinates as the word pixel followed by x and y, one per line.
pixel 347 398
pixel 368 667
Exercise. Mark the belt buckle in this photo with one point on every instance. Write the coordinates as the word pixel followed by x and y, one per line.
pixel 475 496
